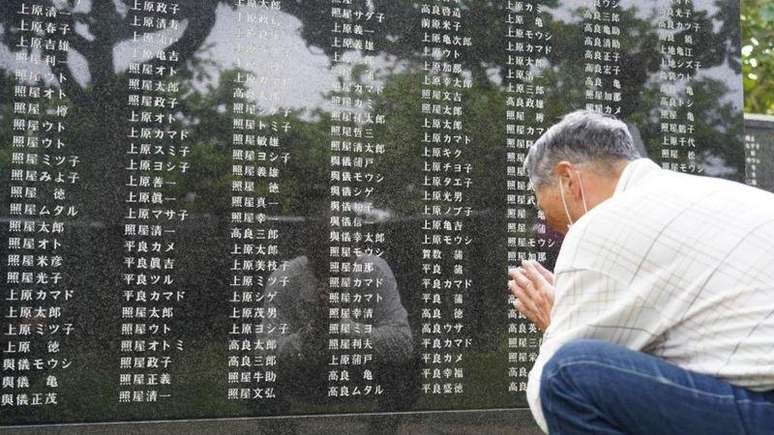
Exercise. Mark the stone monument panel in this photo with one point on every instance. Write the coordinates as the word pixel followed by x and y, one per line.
pixel 246 208
pixel 759 150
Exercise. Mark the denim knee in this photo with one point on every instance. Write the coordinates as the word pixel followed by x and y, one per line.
pixel 554 378
pixel 582 348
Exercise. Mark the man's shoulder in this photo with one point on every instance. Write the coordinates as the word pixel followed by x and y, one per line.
pixel 666 184
pixel 665 206
pixel 665 193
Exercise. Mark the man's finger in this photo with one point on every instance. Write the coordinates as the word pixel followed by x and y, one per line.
pixel 534 275
pixel 523 296
pixel 543 301
pixel 520 277
pixel 548 297
pixel 515 271
pixel 514 286
pixel 525 299
pixel 520 307
pixel 528 290
pixel 547 274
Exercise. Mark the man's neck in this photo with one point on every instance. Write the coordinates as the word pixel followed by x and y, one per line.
pixel 602 186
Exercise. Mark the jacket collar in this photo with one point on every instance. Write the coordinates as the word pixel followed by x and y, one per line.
pixel 634 173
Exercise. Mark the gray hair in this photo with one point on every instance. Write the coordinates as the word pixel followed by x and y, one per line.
pixel 580 137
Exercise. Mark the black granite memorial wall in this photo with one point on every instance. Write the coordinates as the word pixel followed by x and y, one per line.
pixel 243 208
pixel 759 150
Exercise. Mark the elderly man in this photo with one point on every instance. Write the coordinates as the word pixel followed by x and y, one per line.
pixel 659 317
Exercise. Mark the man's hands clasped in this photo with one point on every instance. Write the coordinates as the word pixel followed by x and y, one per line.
pixel 533 286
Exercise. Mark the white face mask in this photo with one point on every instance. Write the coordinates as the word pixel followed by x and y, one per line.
pixel 564 201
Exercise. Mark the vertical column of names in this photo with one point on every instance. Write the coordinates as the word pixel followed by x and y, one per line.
pixel 354 182
pixel 43 177
pixel 528 42
pixel 678 66
pixel 602 55
pixel 156 158
pixel 752 153
pixel 445 183
pixel 257 159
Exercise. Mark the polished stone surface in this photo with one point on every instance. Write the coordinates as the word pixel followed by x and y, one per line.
pixel 759 150
pixel 386 108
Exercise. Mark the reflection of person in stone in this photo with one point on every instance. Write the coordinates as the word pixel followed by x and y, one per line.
pixel 659 316
pixel 302 303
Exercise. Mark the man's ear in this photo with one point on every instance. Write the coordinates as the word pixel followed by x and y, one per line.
pixel 564 171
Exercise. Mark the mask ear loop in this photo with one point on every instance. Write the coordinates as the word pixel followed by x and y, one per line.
pixel 583 194
pixel 564 203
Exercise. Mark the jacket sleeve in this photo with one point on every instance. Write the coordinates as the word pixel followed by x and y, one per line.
pixel 591 304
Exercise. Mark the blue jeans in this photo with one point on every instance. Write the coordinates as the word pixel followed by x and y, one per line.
pixel 595 387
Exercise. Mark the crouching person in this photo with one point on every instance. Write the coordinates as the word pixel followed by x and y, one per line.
pixel 659 315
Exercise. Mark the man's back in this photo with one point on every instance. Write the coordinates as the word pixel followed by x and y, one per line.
pixel 659 317
pixel 678 266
